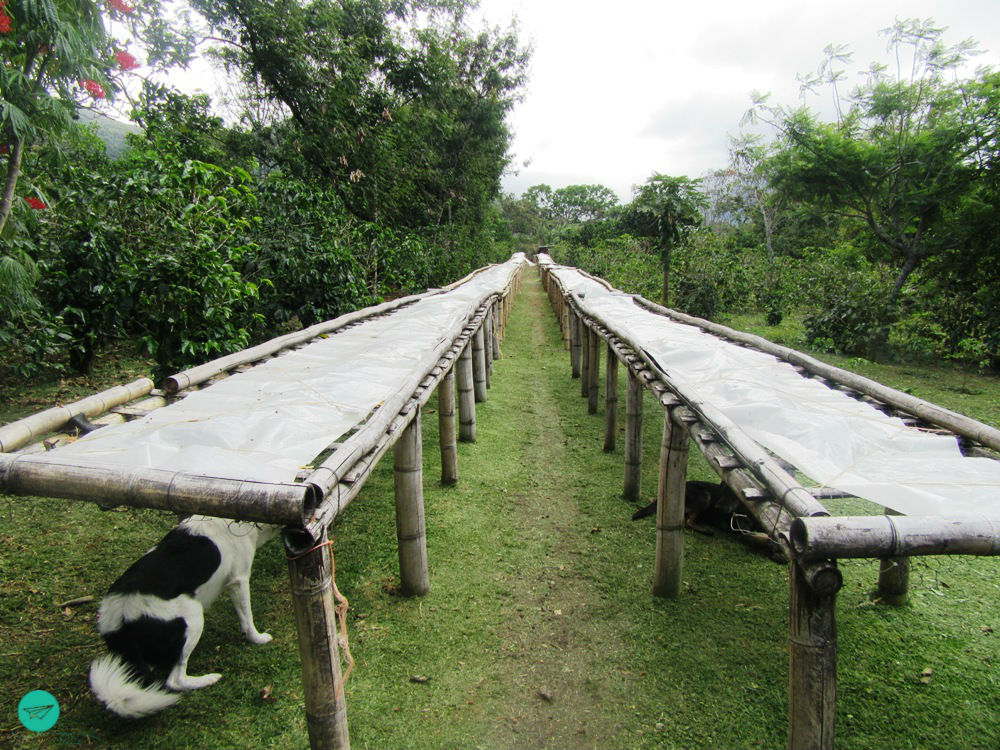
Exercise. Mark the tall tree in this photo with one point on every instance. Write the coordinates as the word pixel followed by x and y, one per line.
pixel 899 158
pixel 393 102
pixel 665 209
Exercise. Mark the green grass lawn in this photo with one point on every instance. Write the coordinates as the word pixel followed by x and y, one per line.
pixel 539 630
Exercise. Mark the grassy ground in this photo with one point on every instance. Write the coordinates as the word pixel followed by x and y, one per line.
pixel 539 630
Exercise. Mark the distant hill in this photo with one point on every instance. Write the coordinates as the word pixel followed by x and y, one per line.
pixel 111 131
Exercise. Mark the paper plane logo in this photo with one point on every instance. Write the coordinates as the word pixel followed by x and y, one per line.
pixel 38 710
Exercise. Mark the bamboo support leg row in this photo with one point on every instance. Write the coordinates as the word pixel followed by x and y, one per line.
pixel 487 329
pixel 610 400
pixel 410 530
pixel 446 428
pixel 633 436
pixel 466 396
pixel 310 572
pixel 584 336
pixel 670 507
pixel 593 386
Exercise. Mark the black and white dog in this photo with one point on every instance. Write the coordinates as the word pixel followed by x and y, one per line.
pixel 153 615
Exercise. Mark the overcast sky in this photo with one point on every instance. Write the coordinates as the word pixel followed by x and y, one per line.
pixel 620 89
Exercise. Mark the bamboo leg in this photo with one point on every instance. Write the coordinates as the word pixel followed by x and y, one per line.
pixel 893 577
pixel 610 400
pixel 479 366
pixel 574 343
pixel 670 508
pixel 495 329
pixel 410 533
pixel 488 347
pixel 309 569
pixel 584 335
pixel 466 397
pixel 593 388
pixel 812 655
pixel 446 428
pixel 633 437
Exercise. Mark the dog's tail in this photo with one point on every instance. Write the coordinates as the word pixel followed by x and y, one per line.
pixel 116 685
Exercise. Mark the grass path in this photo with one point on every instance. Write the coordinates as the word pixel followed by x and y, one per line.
pixel 539 630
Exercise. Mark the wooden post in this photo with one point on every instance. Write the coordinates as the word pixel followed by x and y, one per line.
pixel 610 400
pixel 593 388
pixel 409 475
pixel 584 336
pixel 495 330
pixel 812 654
pixel 670 508
pixel 466 398
pixel 479 366
pixel 574 343
pixel 633 436
pixel 446 427
pixel 893 576
pixel 488 346
pixel 309 568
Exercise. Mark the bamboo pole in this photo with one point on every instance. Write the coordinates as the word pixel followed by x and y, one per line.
pixel 670 507
pixel 23 431
pixel 584 336
pixel 479 366
pixel 593 387
pixel 610 399
pixel 488 346
pixel 812 656
pixel 196 375
pixel 410 529
pixel 574 343
pixel 496 328
pixel 893 577
pixel 466 397
pixel 311 576
pixel 895 536
pixel 51 476
pixel 446 428
pixel 633 436
pixel 932 413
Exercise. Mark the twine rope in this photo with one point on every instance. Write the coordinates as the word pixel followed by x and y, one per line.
pixel 340 605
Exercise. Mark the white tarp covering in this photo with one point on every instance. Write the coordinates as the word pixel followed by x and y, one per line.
pixel 266 423
pixel 830 437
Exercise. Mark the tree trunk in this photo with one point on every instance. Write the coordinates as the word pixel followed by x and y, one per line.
pixel 13 172
pixel 880 336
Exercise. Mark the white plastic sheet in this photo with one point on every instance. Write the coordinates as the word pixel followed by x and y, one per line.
pixel 266 423
pixel 832 438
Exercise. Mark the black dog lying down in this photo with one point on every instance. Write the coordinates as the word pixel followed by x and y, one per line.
pixel 710 507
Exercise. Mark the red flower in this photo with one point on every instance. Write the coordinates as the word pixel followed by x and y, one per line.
pixel 121 6
pixel 95 89
pixel 4 18
pixel 125 60
pixel 36 204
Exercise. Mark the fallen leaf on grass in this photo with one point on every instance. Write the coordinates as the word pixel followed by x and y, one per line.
pixel 267 694
pixel 545 695
pixel 986 629
pixel 419 679
pixel 925 676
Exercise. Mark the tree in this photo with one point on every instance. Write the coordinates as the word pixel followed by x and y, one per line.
pixel 899 159
pixel 395 103
pixel 665 209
